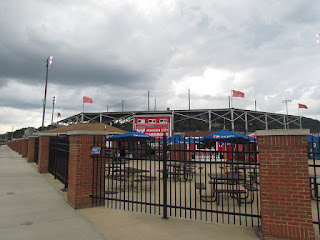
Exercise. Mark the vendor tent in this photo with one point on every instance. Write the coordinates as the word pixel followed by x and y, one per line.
pixel 132 135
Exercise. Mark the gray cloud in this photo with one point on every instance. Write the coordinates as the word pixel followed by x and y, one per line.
pixel 113 51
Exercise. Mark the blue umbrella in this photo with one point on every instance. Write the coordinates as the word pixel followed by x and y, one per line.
pixel 313 147
pixel 312 138
pixel 226 135
pixel 129 135
pixel 178 139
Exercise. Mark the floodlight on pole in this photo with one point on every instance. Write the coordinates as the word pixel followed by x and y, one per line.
pixel 49 62
pixel 318 36
pixel 286 102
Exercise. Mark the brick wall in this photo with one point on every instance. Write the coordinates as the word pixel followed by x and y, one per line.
pixel 80 171
pixel 31 146
pixel 284 185
pixel 43 161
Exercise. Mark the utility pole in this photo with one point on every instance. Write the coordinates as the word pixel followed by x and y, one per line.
pixel 189 99
pixel 148 100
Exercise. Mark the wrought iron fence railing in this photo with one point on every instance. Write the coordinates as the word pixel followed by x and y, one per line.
pixel 212 181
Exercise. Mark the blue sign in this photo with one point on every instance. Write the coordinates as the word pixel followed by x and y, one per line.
pixel 95 150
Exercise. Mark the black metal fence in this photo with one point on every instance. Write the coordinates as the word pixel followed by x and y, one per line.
pixel 59 158
pixel 314 173
pixel 36 150
pixel 210 181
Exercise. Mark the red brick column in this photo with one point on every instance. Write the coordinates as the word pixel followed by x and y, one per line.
pixel 80 178
pixel 43 161
pixel 31 146
pixel 19 146
pixel 24 147
pixel 284 184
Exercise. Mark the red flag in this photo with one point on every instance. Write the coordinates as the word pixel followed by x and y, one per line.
pixel 87 100
pixel 59 114
pixel 237 94
pixel 302 106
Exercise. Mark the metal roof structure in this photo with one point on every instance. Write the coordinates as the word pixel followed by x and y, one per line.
pixel 230 116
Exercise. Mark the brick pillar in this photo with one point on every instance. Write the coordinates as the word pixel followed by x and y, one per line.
pixel 43 161
pixel 284 184
pixel 80 178
pixel 19 146
pixel 24 147
pixel 31 146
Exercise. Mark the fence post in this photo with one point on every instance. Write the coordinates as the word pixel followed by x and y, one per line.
pixel 24 147
pixel 81 184
pixel 31 146
pixel 43 158
pixel 286 211
pixel 165 178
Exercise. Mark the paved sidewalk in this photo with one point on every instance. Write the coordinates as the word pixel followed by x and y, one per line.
pixel 33 207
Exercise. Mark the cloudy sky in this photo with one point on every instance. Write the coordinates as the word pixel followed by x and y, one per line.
pixel 114 51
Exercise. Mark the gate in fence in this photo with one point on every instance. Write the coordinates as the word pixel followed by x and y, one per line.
pixel 36 150
pixel 185 178
pixel 59 158
pixel 314 174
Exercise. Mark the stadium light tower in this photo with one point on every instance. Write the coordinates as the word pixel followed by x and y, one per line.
pixel 49 61
pixel 286 102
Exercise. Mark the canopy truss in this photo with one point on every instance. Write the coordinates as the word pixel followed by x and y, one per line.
pixel 230 117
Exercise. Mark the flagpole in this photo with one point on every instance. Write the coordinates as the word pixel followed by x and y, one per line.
pixel 299 117
pixel 231 98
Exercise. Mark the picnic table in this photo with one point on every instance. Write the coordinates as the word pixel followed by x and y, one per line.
pixel 114 165
pixel 229 183
pixel 180 171
pixel 250 171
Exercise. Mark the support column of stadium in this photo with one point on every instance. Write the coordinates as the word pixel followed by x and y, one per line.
pixel 246 121
pixel 266 120
pixel 232 119
pixel 172 122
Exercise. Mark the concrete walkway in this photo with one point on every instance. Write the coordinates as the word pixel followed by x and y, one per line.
pixel 33 207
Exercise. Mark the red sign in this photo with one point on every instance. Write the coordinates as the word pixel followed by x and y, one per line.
pixel 153 125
